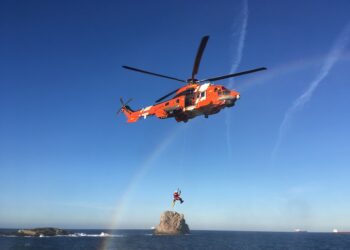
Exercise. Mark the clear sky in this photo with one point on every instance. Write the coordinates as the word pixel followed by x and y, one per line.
pixel 278 160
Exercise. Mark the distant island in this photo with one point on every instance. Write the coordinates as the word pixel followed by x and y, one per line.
pixel 39 232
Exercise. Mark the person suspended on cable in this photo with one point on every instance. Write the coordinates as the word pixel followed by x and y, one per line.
pixel 177 197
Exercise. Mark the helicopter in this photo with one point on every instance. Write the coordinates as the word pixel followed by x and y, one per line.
pixel 195 98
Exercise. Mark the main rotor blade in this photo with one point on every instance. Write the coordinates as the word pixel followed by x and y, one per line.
pixel 232 75
pixel 167 95
pixel 200 51
pixel 154 74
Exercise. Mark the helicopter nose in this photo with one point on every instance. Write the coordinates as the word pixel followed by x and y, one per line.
pixel 235 94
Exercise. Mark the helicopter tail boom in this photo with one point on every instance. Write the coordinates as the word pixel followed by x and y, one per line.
pixel 130 114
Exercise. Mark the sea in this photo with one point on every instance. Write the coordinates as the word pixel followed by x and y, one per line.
pixel 197 239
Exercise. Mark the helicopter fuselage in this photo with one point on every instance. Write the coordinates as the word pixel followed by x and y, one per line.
pixel 190 101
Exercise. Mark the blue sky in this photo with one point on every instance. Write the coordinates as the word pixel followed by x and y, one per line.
pixel 67 161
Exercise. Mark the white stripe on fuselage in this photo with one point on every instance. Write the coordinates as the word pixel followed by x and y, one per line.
pixel 201 89
pixel 189 108
pixel 204 87
pixel 144 111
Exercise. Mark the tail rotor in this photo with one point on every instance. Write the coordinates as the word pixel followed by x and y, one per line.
pixel 123 105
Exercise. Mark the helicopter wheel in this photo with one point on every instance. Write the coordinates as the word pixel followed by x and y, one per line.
pixel 206 116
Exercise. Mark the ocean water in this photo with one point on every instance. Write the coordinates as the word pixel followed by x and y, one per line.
pixel 144 239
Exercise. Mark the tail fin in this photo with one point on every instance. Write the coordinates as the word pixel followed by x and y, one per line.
pixel 130 114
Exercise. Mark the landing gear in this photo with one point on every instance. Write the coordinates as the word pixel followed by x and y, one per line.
pixel 206 116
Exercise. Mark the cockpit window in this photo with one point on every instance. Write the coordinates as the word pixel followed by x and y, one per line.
pixel 225 91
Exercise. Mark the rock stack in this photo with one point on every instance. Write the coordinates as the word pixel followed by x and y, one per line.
pixel 172 223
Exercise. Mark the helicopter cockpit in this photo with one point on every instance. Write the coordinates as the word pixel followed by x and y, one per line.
pixel 222 91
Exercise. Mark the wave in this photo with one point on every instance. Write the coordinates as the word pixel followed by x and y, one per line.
pixel 102 234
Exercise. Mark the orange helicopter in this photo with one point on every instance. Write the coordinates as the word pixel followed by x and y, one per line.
pixel 197 97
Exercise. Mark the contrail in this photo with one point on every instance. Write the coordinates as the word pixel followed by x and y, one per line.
pixel 241 39
pixel 235 64
pixel 334 54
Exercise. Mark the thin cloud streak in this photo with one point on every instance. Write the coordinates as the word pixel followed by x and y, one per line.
pixel 335 53
pixel 235 64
